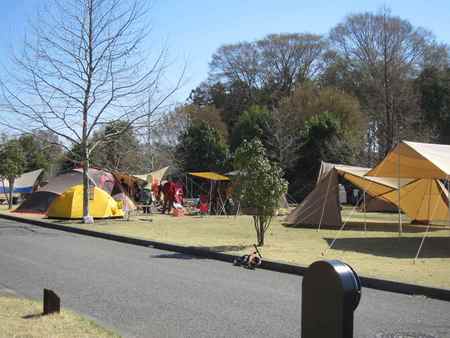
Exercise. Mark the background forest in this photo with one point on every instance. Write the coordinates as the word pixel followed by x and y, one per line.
pixel 346 97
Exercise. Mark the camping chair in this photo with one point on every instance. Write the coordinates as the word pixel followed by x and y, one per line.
pixel 203 205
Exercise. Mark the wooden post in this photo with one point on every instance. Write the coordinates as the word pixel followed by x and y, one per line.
pixel 52 303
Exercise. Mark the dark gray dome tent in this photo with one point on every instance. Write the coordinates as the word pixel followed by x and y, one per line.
pixel 39 201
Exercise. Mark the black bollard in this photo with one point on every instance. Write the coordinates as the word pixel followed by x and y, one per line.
pixel 52 302
pixel 331 292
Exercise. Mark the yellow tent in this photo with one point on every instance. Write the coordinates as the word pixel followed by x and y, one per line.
pixel 70 204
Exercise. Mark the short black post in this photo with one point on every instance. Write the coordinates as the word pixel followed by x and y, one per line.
pixel 331 292
pixel 52 303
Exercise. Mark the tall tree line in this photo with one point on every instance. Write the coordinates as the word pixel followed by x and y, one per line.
pixel 346 97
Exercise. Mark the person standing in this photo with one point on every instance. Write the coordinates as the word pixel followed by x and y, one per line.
pixel 169 190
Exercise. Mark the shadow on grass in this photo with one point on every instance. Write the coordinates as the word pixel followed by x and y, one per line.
pixel 396 247
pixel 33 316
pixel 372 227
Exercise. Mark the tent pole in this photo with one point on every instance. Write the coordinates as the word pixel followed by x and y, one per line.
pixel 400 226
pixel 429 223
pixel 364 206
pixel 448 201
pixel 210 195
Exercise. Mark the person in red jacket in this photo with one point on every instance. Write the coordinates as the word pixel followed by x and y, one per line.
pixel 169 189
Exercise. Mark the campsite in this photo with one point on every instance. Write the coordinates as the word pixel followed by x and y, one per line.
pixel 225 169
pixel 380 239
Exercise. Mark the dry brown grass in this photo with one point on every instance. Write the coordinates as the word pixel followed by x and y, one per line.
pixel 380 252
pixel 21 318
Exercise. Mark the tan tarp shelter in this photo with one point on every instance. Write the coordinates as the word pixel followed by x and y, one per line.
pixel 154 176
pixel 378 205
pixel 415 160
pixel 422 200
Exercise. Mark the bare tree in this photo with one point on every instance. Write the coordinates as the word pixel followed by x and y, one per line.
pixel 84 65
pixel 288 59
pixel 276 63
pixel 384 53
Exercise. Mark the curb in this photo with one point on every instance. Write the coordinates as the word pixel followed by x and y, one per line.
pixel 368 282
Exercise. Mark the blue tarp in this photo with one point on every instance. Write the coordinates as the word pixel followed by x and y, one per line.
pixel 19 190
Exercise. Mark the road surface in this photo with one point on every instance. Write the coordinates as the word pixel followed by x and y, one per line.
pixel 144 292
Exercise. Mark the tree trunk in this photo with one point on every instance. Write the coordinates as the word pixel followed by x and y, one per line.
pixel 260 231
pixel 11 188
pixel 85 187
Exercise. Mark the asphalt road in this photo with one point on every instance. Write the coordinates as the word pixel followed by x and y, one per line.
pixel 143 292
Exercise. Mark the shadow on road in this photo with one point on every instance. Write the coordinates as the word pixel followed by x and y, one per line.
pixel 219 248
pixel 176 255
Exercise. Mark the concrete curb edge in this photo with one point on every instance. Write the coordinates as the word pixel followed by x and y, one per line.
pixel 368 282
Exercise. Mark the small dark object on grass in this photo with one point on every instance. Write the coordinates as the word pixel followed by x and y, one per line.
pixel 250 261
pixel 52 303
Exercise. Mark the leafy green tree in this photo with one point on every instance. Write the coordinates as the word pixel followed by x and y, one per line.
pixel 35 156
pixel 201 148
pixel 260 184
pixel 322 139
pixel 12 163
pixel 71 159
pixel 119 153
pixel 433 87
pixel 207 113
pixel 253 123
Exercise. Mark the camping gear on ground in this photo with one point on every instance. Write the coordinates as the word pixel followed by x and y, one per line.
pixel 216 200
pixel 203 205
pixel 70 204
pixel 250 261
pixel 178 210
pixel 127 203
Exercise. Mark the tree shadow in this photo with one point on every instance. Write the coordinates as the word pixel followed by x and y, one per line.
pixel 396 247
pixel 225 248
pixel 176 255
pixel 372 227
pixel 218 248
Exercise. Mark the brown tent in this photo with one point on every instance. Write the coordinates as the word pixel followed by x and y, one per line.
pixel 321 206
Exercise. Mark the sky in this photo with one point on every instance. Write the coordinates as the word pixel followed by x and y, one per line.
pixel 192 30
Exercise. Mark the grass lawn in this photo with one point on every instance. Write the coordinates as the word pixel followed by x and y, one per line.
pixel 379 252
pixel 22 318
